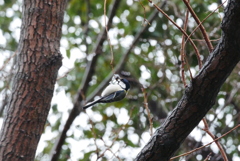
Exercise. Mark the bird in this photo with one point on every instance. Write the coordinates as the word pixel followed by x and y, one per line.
pixel 112 93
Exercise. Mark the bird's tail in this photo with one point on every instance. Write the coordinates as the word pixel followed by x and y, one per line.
pixel 91 103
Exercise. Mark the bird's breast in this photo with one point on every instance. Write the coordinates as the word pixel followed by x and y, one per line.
pixel 111 89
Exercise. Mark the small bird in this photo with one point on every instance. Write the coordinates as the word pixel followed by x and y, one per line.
pixel 113 92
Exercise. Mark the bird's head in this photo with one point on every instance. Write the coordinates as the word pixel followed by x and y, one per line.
pixel 124 83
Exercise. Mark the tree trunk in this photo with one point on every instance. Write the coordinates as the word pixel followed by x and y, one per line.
pixel 38 61
pixel 200 96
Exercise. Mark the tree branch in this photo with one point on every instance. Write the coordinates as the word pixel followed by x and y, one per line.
pixel 200 95
pixel 203 31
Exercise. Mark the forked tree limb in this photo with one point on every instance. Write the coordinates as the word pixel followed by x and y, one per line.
pixel 201 93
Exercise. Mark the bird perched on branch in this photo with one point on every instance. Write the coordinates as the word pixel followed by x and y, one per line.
pixel 115 91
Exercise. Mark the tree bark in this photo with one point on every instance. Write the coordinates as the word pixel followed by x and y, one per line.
pixel 201 94
pixel 38 61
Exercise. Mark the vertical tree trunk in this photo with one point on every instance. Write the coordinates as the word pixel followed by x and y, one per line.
pixel 38 61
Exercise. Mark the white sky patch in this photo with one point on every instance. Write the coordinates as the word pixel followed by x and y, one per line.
pixel 168 42
pixel 9 12
pixel 134 138
pixel 15 27
pixel 3 40
pixel 196 134
pixel 71 29
pixel 122 116
pixel 129 2
pixel 95 116
pixel 1 122
pixel 77 20
pixel 145 72
pixel 116 20
pixel 76 53
pixel 221 101
pixel 160 57
pixel 104 20
pixel 164 26
pixel 82 121
pixel 127 41
pixel 137 50
pixel 153 42
pixel 179 22
pixel 16 7
pixel 93 24
pixel 113 33
pixel 213 6
pixel 152 28
pixel 139 18
pixel 145 138
pixel 64 43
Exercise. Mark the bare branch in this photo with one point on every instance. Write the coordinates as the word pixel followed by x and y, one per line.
pixel 192 43
pixel 206 144
pixel 204 33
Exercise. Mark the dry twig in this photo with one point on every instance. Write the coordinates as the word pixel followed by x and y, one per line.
pixel 206 144
pixel 148 111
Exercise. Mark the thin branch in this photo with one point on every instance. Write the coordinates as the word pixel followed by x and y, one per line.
pixel 208 157
pixel 204 33
pixel 7 61
pixel 206 144
pixel 87 25
pixel 145 20
pixel 117 135
pixel 206 129
pixel 204 21
pixel 182 53
pixel 108 38
pixel 192 43
pixel 148 111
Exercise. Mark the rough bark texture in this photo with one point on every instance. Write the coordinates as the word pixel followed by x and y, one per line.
pixel 201 94
pixel 38 61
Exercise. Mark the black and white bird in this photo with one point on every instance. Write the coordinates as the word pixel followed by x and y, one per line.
pixel 113 92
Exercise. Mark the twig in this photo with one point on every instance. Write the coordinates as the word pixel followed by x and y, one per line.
pixel 148 111
pixel 8 59
pixel 94 135
pixel 192 43
pixel 117 135
pixel 203 21
pixel 208 157
pixel 204 33
pixel 182 53
pixel 85 33
pixel 108 38
pixel 206 129
pixel 206 144
pixel 204 40
pixel 145 20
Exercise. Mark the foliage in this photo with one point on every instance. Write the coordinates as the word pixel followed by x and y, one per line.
pixel 118 130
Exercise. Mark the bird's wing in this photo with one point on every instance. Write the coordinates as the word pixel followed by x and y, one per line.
pixel 92 103
pixel 113 97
